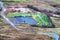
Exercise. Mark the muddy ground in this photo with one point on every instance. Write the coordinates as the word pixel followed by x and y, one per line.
pixel 9 33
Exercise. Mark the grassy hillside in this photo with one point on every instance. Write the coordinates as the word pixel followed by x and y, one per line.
pixel 14 0
pixel 56 1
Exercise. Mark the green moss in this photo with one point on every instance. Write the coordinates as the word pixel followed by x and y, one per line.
pixel 41 18
pixel 18 14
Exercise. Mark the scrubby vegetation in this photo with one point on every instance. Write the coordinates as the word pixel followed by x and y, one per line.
pixel 14 0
